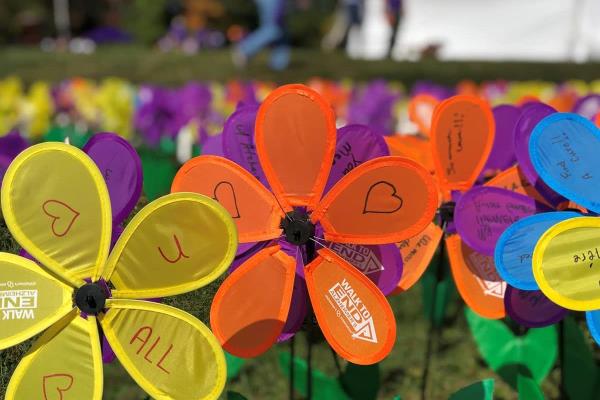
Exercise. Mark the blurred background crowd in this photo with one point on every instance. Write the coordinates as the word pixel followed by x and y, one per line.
pixel 546 30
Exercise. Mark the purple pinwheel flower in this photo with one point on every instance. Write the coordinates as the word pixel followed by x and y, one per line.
pixel 155 115
pixel 373 106
pixel 433 89
pixel 10 146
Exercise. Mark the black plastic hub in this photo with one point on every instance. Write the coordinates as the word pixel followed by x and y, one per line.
pixel 90 298
pixel 297 227
pixel 446 211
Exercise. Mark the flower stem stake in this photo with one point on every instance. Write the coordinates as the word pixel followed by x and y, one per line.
pixel 57 206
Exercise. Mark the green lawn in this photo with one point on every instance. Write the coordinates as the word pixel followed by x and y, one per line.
pixel 456 361
pixel 140 64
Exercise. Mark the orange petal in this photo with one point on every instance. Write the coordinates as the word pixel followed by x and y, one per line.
pixel 295 142
pixel 251 306
pixel 413 147
pixel 476 279
pixel 513 179
pixel 417 253
pixel 384 200
pixel 253 208
pixel 420 111
pixel 353 314
pixel 462 136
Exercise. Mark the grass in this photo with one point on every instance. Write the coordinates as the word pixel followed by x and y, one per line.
pixel 140 64
pixel 456 361
pixel 455 364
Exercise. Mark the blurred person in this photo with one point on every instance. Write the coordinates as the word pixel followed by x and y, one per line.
pixel 271 32
pixel 394 14
pixel 348 16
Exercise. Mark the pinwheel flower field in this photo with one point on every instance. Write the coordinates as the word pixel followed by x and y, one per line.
pixel 314 239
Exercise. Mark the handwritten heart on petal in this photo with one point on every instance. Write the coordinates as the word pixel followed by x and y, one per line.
pixel 483 214
pixel 564 151
pixel 56 385
pixel 62 215
pixel 225 194
pixel 382 198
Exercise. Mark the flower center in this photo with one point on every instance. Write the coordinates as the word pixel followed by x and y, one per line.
pixel 297 227
pixel 90 298
pixel 446 211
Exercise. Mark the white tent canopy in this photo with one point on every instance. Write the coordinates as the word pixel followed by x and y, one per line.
pixel 529 30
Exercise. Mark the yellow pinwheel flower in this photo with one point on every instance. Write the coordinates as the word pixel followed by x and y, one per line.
pixel 56 205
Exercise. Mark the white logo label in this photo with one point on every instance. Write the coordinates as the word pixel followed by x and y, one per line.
pixel 487 277
pixel 352 311
pixel 17 303
pixel 362 257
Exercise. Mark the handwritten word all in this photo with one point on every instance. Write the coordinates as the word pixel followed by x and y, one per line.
pixel 154 352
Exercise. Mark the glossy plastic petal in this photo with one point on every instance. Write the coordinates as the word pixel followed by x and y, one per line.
pixel 566 263
pixel 531 308
pixel 353 314
pixel 593 323
pixel 30 299
pixel 514 180
pixel 238 141
pixel 355 144
pixel 253 208
pixel 175 244
pixel 65 363
pixel 417 253
pixel 250 308
pixel 514 249
pixel 384 200
pixel 168 352
pixel 588 106
pixel 476 279
pixel 413 147
pixel 56 205
pixel 531 115
pixel 298 310
pixel 295 141
pixel 564 151
pixel 121 168
pixel 382 264
pixel 483 213
pixel 420 111
pixel 462 136
pixel 502 155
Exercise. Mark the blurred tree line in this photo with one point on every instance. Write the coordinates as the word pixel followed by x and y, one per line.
pixel 28 21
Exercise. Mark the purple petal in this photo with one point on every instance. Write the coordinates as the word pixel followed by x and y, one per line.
pixel 483 213
pixel 588 106
pixel 245 251
pixel 238 141
pixel 355 144
pixel 503 152
pixel 4 163
pixel 108 354
pixel 213 145
pixel 12 144
pixel 531 115
pixel 531 308
pixel 298 306
pixel 122 171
